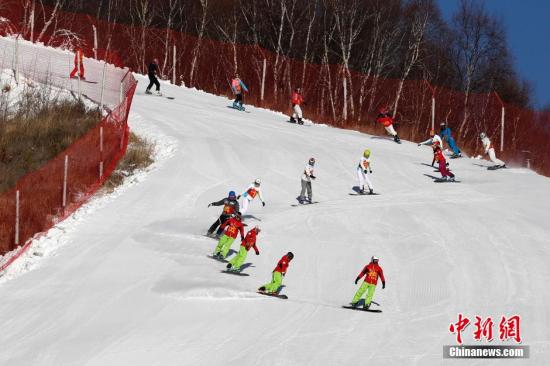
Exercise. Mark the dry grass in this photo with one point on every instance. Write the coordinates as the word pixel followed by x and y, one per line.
pixel 38 131
pixel 139 155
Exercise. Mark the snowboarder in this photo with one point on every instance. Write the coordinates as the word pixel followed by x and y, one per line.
pixel 371 272
pixel 434 141
pixel 237 86
pixel 248 242
pixel 363 168
pixel 78 64
pixel 490 150
pixel 297 99
pixel 232 227
pixel 251 192
pixel 442 163
pixel 386 120
pixel 230 206
pixel 277 275
pixel 307 176
pixel 447 136
pixel 152 72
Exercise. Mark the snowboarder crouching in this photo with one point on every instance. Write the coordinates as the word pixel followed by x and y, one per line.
pixel 490 150
pixel 237 86
pixel 232 226
pixel 386 120
pixel 442 163
pixel 248 242
pixel 230 206
pixel 251 192
pixel 278 274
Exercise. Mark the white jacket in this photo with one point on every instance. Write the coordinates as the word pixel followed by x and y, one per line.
pixel 486 144
pixel 364 164
pixel 308 172
pixel 432 140
pixel 251 193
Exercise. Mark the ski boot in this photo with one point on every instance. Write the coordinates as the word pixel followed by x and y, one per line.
pixel 300 121
pixel 371 191
pixel 366 306
pixel 158 93
pixel 229 267
pixel 292 120
pixel 262 289
pixel 396 139
pixel 354 304
pixel 148 91
pixel 241 107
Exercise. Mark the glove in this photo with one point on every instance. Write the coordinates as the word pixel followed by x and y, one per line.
pixel 370 171
pixel 365 171
pixel 263 204
pixel 356 280
pixel 313 177
pixel 446 164
pixel 383 285
pixel 239 196
pixel 242 238
pixel 209 204
pixel 257 253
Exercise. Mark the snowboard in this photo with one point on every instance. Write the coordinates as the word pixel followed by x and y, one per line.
pixel 162 96
pixel 238 109
pixel 445 181
pixel 85 81
pixel 496 167
pixel 235 273
pixel 360 308
pixel 304 204
pixel 455 156
pixel 284 297
pixel 365 194
pixel 299 124
pixel 217 259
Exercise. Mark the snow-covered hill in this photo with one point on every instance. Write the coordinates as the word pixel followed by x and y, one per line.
pixel 132 284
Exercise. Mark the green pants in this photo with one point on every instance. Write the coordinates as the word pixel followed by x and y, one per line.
pixel 224 245
pixel 370 293
pixel 239 259
pixel 275 283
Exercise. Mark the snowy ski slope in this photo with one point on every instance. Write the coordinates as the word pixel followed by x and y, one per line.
pixel 129 282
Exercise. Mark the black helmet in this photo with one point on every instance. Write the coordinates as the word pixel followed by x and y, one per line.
pixel 290 255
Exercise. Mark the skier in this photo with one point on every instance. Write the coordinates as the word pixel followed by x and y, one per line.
pixel 232 227
pixel 277 275
pixel 385 119
pixel 250 194
pixel 152 72
pixel 237 86
pixel 363 168
pixel 490 150
pixel 447 136
pixel 445 172
pixel 434 141
pixel 248 242
pixel 78 64
pixel 230 206
pixel 371 272
pixel 297 99
pixel 307 176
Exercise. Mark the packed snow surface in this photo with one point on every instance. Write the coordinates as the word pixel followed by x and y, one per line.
pixel 132 283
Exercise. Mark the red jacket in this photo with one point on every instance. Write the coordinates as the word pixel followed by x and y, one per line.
pixel 232 226
pixel 371 272
pixel 297 98
pixel 384 119
pixel 250 241
pixel 282 266
pixel 439 157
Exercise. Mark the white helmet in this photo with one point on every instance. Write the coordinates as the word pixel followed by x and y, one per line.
pixel 257 182
pixel 482 135
pixel 374 259
pixel 257 228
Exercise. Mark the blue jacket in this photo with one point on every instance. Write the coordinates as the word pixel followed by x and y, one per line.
pixel 446 134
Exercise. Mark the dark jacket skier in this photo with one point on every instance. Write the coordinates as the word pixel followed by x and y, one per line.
pixel 230 206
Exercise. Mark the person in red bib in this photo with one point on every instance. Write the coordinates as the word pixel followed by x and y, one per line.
pixel 297 99
pixel 78 63
pixel 277 275
pixel 442 163
pixel 386 120
pixel 232 227
pixel 251 192
pixel 248 242
pixel 371 272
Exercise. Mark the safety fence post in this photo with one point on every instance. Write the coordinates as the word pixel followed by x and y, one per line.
pixel 65 173
pixel 17 218
pixel 263 81
pixel 101 152
pixel 502 114
pixel 102 88
pixel 174 65
pixel 95 41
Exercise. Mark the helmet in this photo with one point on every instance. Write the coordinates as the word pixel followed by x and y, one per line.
pixel 443 124
pixel 232 194
pixel 366 153
pixel 482 135
pixel 156 60
pixel 257 228
pixel 311 161
pixel 257 182
pixel 383 109
pixel 290 255
pixel 374 259
pixel 432 133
